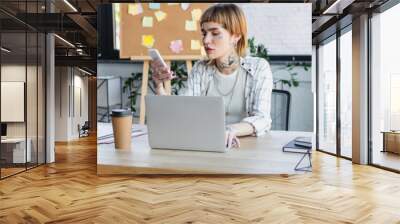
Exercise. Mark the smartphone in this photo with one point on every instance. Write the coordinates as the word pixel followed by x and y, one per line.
pixel 155 55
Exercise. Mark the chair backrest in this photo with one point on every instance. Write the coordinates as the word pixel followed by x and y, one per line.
pixel 86 125
pixel 280 106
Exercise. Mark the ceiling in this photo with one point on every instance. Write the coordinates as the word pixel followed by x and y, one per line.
pixel 77 25
pixel 76 22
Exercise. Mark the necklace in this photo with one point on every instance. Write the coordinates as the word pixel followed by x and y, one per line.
pixel 230 92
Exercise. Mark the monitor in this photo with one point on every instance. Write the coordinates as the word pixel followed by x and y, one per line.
pixel 3 129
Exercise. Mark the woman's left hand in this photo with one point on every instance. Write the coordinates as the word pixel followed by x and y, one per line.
pixel 232 141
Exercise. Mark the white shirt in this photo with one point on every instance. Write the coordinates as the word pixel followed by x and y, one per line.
pixel 231 87
pixel 257 92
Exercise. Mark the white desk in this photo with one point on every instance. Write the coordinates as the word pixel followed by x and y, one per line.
pixel 18 150
pixel 262 155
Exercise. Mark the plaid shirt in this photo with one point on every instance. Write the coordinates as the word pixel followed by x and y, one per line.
pixel 257 93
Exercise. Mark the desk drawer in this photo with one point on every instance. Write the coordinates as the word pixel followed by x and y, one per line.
pixel 16 152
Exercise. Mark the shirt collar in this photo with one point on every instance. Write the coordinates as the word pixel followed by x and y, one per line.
pixel 246 65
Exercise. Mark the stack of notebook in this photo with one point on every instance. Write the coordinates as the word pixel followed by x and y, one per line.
pixel 299 145
pixel 303 141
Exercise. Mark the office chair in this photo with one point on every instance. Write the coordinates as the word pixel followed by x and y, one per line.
pixel 84 130
pixel 280 105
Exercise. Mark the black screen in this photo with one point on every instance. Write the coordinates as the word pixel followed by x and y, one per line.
pixel 3 129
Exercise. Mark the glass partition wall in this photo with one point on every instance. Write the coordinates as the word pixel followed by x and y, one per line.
pixel 22 98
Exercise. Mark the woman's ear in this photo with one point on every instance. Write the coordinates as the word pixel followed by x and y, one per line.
pixel 236 38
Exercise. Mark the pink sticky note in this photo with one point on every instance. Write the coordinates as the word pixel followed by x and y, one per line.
pixel 176 46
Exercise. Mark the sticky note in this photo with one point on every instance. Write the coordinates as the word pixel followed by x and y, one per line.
pixel 148 41
pixel 176 46
pixel 160 15
pixel 195 44
pixel 196 14
pixel 185 6
pixel 147 21
pixel 190 25
pixel 154 6
pixel 135 9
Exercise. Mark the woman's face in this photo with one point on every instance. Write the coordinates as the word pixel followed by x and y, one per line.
pixel 217 41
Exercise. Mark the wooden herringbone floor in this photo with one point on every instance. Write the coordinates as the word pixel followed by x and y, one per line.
pixel 70 192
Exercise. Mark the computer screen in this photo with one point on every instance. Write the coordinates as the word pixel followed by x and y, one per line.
pixel 3 129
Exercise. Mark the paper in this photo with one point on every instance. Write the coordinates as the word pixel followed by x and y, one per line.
pixel 135 9
pixel 191 25
pixel 195 45
pixel 196 14
pixel 160 15
pixel 148 41
pixel 147 21
pixel 154 6
pixel 172 3
pixel 185 6
pixel 176 46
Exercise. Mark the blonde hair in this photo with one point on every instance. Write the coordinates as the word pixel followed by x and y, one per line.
pixel 232 18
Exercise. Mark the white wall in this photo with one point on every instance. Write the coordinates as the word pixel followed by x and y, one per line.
pixel 68 82
pixel 284 28
pixel 301 110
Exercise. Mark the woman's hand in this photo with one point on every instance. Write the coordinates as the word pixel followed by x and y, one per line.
pixel 231 140
pixel 161 73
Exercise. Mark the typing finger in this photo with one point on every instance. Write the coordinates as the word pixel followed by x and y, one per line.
pixel 237 142
pixel 230 140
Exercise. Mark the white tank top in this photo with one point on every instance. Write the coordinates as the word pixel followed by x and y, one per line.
pixel 231 87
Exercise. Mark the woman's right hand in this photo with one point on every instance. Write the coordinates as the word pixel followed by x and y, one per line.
pixel 161 73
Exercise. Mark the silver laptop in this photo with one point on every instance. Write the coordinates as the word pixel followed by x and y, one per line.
pixel 186 122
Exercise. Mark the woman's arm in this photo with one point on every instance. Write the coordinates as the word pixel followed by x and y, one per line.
pixel 160 90
pixel 242 129
pixel 260 115
pixel 161 73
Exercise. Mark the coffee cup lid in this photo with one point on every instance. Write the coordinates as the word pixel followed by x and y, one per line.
pixel 121 112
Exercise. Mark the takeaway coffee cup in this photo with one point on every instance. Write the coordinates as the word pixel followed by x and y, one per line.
pixel 122 128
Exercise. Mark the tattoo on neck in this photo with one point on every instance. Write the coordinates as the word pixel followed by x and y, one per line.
pixel 230 62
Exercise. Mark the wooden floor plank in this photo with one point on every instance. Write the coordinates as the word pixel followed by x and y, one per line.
pixel 69 191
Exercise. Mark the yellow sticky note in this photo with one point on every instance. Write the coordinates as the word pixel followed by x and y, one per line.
pixel 160 15
pixel 147 21
pixel 191 25
pixel 135 9
pixel 196 14
pixel 148 41
pixel 195 45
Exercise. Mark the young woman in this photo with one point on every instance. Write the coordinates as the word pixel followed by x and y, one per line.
pixel 245 83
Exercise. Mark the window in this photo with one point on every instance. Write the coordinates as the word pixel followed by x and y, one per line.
pixel 327 96
pixel 346 94
pixel 385 88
